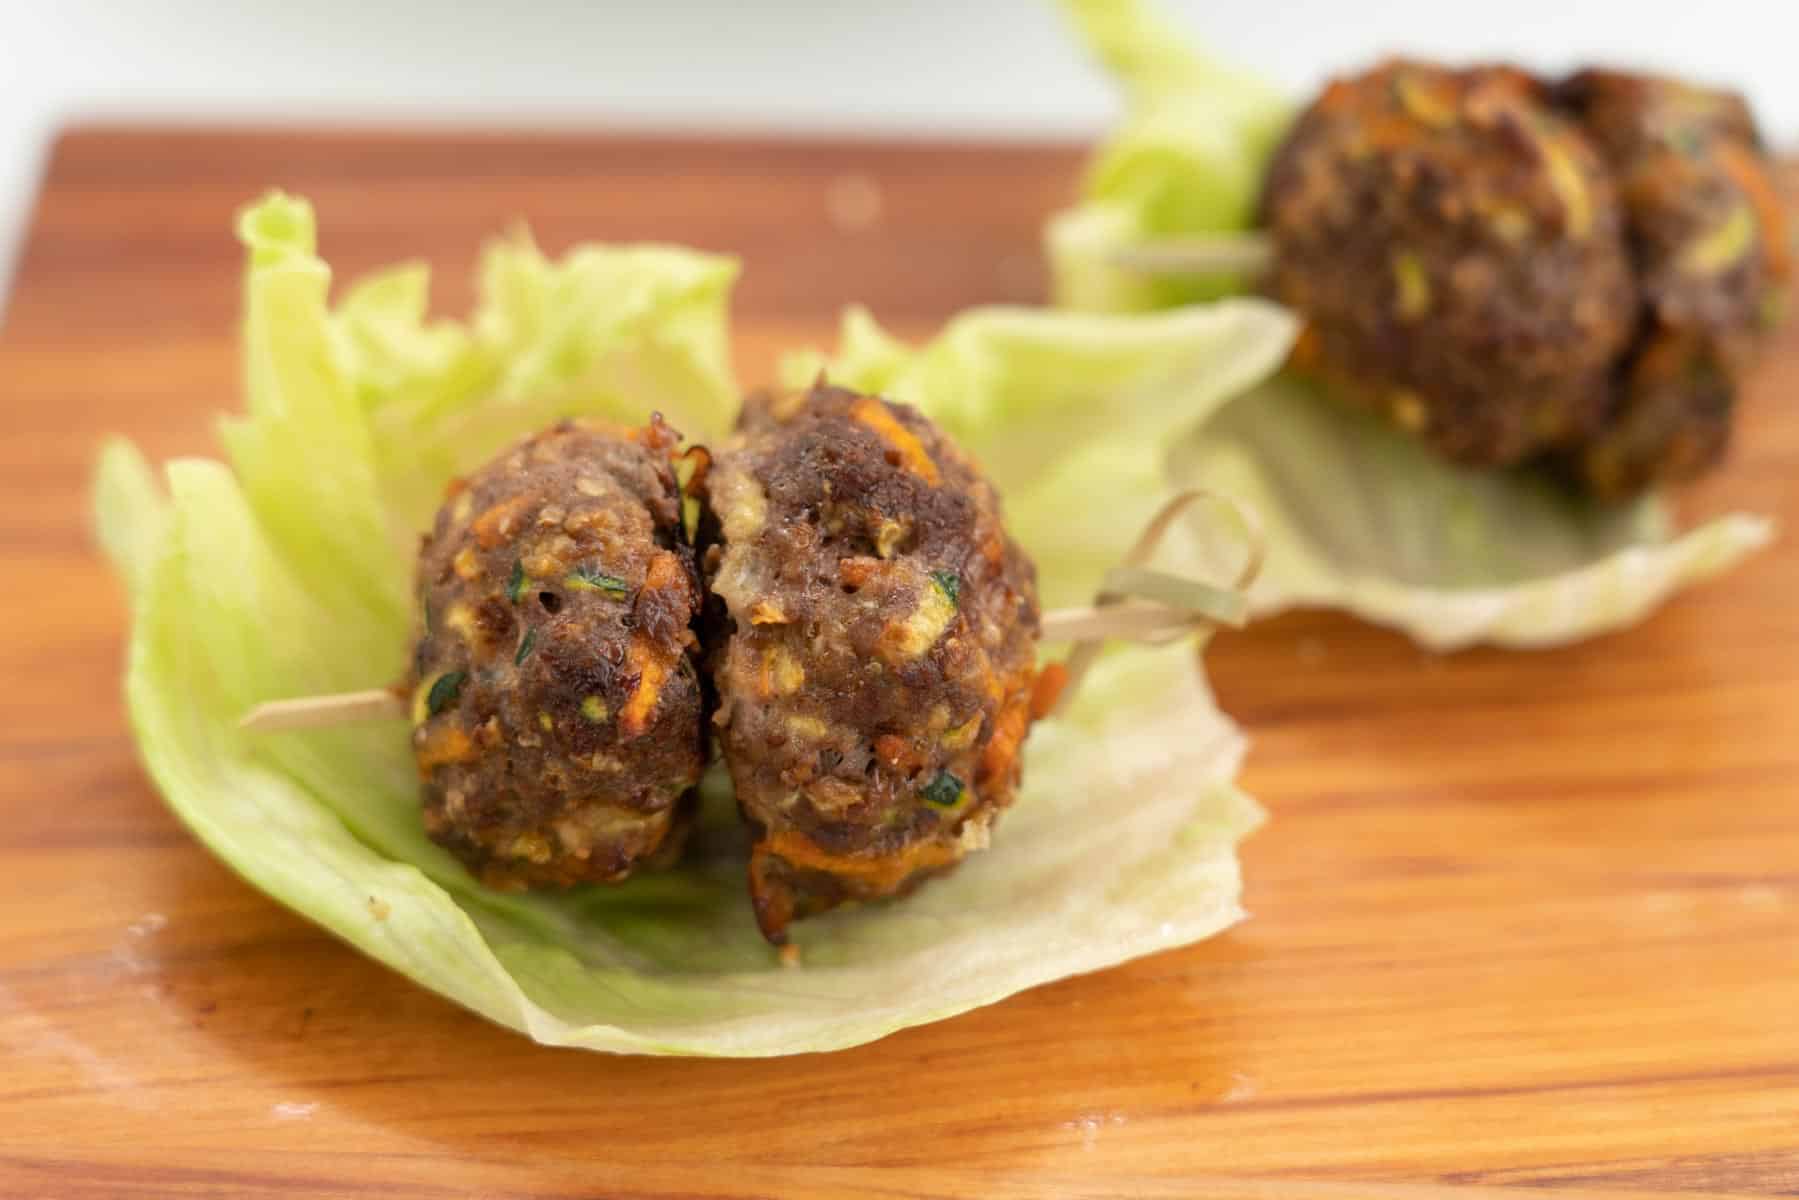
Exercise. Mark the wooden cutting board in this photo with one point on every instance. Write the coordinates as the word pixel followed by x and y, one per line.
pixel 1520 920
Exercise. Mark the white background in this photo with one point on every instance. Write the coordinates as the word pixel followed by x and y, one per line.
pixel 939 66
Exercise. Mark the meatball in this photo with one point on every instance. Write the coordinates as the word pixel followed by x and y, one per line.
pixel 1705 221
pixel 874 651
pixel 1457 249
pixel 1672 422
pixel 1709 241
pixel 557 708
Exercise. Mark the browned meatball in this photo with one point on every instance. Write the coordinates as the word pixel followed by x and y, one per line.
pixel 556 704
pixel 1672 421
pixel 1706 226
pixel 1457 250
pixel 875 658
pixel 1709 240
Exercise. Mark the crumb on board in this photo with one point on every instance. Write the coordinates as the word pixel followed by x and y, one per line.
pixel 294 1110
pixel 379 908
pixel 790 955
pixel 853 202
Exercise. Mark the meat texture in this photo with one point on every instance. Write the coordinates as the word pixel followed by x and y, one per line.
pixel 873 651
pixel 1576 275
pixel 557 707
pixel 1458 252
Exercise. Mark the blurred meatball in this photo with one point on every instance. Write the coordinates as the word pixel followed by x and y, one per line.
pixel 874 660
pixel 1709 240
pixel 1457 250
pixel 556 703
pixel 1706 227
pixel 1672 422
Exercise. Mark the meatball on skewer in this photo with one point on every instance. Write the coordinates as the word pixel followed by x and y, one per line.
pixel 556 704
pixel 866 654
pixel 1709 236
pixel 1577 275
pixel 872 646
pixel 1458 252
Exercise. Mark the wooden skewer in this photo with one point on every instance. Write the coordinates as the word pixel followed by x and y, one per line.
pixel 1198 254
pixel 317 712
pixel 1174 607
pixel 1130 578
pixel 1128 623
pixel 1144 622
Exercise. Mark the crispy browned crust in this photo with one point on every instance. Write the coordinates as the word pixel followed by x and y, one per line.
pixel 874 649
pixel 559 584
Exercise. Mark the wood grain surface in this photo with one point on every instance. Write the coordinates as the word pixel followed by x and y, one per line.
pixel 1520 920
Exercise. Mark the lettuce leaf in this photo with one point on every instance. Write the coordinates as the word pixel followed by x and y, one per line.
pixel 1187 158
pixel 1071 414
pixel 287 573
pixel 1360 517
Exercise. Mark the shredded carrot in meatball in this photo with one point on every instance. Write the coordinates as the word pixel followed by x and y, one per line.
pixel 649 658
pixel 495 525
pixel 1008 735
pixel 911 451
pixel 444 744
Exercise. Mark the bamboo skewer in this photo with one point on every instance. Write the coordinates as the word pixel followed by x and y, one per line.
pixel 1130 577
pixel 1165 607
pixel 1198 254
pixel 318 712
pixel 1132 623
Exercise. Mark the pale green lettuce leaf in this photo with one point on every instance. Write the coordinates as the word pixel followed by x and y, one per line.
pixel 130 514
pixel 1360 517
pixel 1070 414
pixel 592 333
pixel 256 581
pixel 1187 158
pixel 302 448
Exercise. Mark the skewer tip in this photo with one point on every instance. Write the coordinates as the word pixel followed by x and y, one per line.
pixel 313 712
pixel 1247 253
